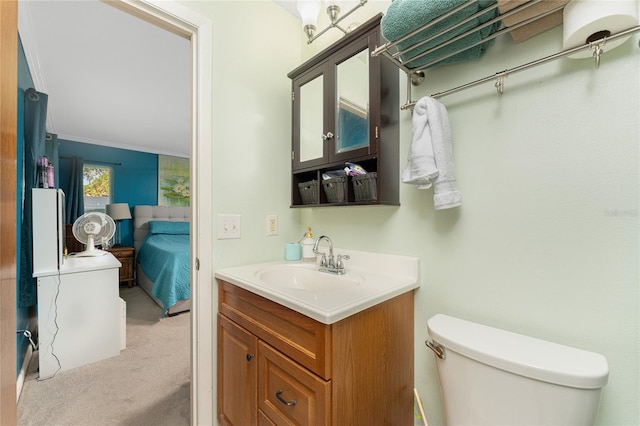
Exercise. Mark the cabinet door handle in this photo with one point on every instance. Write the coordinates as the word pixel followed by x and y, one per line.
pixel 284 401
pixel 329 135
pixel 250 357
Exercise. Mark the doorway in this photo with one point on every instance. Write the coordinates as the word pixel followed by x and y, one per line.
pixel 197 28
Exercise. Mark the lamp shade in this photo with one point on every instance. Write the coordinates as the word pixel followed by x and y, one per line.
pixel 309 10
pixel 119 211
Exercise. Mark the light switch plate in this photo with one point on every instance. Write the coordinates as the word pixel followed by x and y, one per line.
pixel 229 226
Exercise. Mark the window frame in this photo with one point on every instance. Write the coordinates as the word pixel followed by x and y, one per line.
pixel 109 168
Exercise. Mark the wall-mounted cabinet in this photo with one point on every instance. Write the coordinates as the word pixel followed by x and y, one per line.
pixel 345 107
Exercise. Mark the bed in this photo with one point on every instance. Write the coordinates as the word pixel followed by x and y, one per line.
pixel 161 240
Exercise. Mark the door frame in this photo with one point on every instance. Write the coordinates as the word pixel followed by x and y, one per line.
pixel 197 28
pixel 8 176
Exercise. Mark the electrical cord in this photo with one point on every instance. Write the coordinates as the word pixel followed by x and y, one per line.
pixel 55 334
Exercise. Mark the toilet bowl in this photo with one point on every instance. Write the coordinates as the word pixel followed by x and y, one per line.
pixel 490 376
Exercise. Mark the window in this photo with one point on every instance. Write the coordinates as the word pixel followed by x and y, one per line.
pixel 96 187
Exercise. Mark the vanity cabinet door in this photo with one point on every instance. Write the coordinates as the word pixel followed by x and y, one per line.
pixel 237 374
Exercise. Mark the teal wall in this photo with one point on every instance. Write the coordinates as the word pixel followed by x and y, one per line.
pixel 135 178
pixel 23 315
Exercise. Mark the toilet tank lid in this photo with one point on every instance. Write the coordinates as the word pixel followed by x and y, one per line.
pixel 519 354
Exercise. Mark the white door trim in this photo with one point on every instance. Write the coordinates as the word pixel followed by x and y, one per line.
pixel 188 23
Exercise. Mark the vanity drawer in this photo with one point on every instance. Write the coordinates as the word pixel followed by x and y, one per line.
pixel 288 393
pixel 263 420
pixel 304 339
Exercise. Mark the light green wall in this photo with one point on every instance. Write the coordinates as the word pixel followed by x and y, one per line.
pixel 256 44
pixel 546 241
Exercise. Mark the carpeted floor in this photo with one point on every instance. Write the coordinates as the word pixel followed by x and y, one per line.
pixel 147 384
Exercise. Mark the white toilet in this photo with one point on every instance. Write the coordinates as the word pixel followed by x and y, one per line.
pixel 494 377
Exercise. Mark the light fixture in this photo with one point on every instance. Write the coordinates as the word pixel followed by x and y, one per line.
pixel 118 212
pixel 309 10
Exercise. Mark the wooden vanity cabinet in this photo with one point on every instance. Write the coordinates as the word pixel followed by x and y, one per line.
pixel 238 369
pixel 279 367
pixel 345 107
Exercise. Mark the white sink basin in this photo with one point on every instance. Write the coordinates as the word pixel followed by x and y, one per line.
pixel 370 278
pixel 303 277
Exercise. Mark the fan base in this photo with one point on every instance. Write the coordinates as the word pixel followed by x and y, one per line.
pixel 91 253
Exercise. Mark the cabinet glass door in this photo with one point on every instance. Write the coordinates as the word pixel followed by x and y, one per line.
pixel 352 103
pixel 311 120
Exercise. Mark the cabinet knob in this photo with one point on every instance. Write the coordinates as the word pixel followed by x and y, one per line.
pixel 284 401
pixel 250 357
pixel 328 136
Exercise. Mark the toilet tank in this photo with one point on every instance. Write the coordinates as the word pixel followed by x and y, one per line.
pixel 494 377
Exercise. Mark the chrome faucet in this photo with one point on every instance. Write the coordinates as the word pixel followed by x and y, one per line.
pixel 329 264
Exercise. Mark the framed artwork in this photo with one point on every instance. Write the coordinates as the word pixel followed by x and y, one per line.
pixel 174 184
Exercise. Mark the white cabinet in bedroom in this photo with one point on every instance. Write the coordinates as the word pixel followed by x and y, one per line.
pixel 78 314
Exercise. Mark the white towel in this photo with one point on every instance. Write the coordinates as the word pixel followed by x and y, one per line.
pixel 430 160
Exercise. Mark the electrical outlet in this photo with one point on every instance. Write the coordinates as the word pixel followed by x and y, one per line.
pixel 272 224
pixel 228 226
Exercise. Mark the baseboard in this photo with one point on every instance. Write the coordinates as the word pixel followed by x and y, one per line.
pixel 23 372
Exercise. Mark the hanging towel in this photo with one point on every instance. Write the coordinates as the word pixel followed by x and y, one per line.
pixel 421 167
pixel 430 159
pixel 404 16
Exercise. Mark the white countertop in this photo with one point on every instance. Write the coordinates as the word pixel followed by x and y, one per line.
pixel 381 276
pixel 74 264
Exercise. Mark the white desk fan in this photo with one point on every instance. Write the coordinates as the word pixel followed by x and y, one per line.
pixel 92 228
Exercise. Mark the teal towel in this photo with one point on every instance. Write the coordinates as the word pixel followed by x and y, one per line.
pixel 404 16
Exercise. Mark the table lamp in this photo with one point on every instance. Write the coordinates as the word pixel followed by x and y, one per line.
pixel 118 212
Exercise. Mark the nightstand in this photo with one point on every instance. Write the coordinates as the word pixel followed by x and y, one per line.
pixel 126 256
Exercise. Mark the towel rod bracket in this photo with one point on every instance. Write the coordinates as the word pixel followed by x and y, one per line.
pixel 500 85
pixel 417 77
pixel 597 50
pixel 500 82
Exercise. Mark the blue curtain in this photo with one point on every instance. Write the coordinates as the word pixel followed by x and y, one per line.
pixel 74 207
pixel 35 117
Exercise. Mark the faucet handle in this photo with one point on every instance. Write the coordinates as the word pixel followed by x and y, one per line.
pixel 340 263
pixel 323 261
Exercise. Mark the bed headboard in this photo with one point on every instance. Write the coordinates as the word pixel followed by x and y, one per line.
pixel 143 214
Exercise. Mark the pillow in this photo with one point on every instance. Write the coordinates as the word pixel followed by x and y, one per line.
pixel 167 227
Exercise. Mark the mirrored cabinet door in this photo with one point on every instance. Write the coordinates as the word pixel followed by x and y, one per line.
pixel 310 120
pixel 352 99
pixel 352 103
pixel 332 108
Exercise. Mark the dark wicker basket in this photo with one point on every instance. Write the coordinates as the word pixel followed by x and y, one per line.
pixel 365 187
pixel 309 192
pixel 335 189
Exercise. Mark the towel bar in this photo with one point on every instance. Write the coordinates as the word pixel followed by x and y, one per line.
pixel 596 45
pixel 385 48
pixel 413 73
